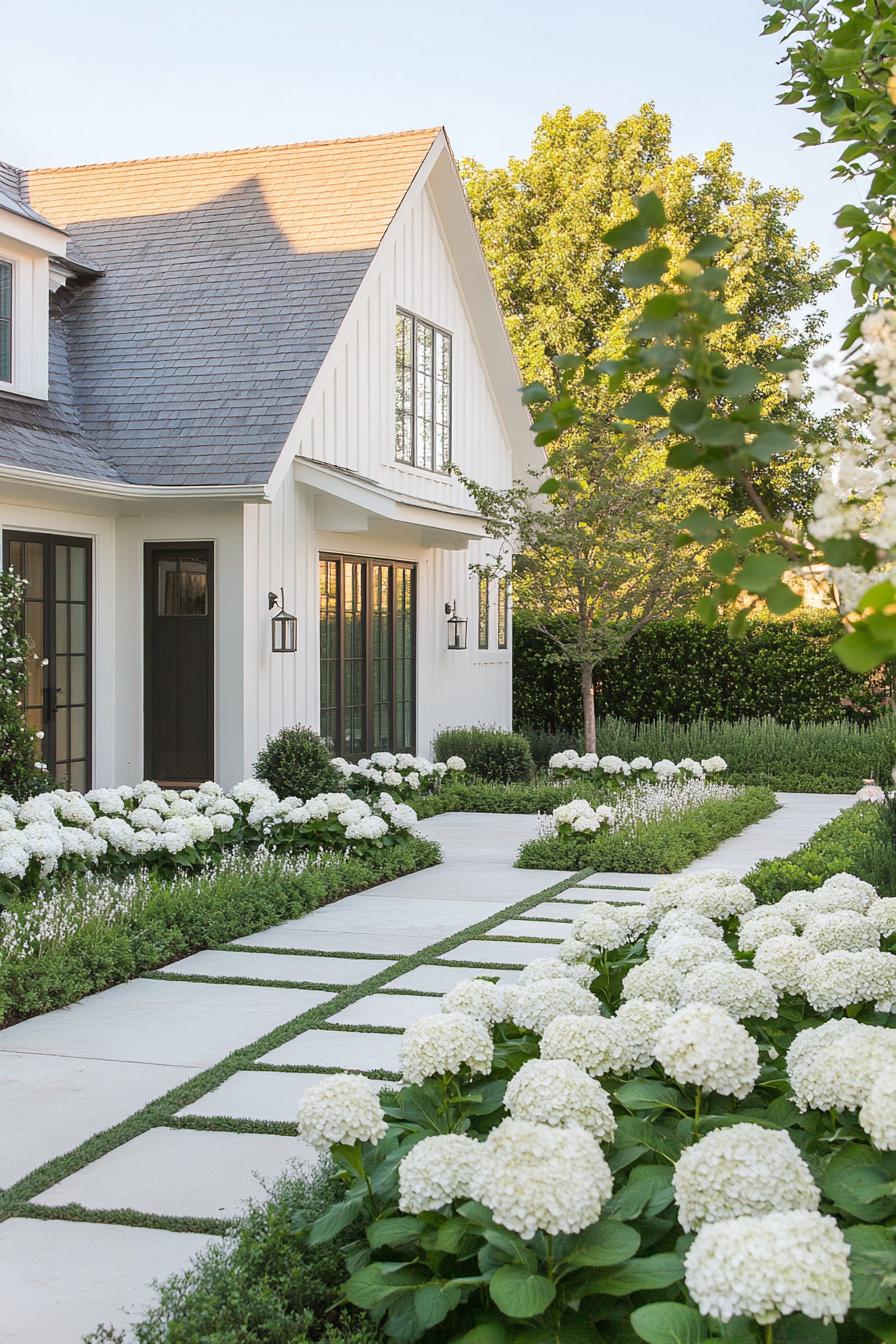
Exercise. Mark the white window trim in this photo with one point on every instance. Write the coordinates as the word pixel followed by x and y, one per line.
pixel 30 321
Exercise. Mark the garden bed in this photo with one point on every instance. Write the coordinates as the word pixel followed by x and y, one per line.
pixel 108 930
pixel 662 846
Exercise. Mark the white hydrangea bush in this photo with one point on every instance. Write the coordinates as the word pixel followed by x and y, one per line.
pixel 401 773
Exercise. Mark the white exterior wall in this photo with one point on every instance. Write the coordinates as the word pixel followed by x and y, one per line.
pixel 348 422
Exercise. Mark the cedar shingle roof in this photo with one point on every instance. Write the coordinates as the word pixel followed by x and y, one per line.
pixel 225 279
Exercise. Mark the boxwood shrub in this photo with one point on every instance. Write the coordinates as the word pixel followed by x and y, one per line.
pixel 490 753
pixel 296 763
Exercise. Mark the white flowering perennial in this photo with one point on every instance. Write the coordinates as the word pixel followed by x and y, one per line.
pixel 835 1067
pixel 482 999
pixel 535 1004
pixel 401 771
pixel 598 927
pixel 754 932
pixel 436 1171
pixel 841 930
pixel 636 1023
pixel 556 968
pixel 557 1092
pixel 702 1045
pixel 837 979
pixel 579 817
pixel 783 960
pixel 653 979
pixel 341 1109
pixel 770 1266
pixel 741 992
pixel 538 1178
pixel 684 952
pixel 882 914
pixel 590 1042
pixel 683 921
pixel 445 1043
pixel 878 1113
pixel 738 1171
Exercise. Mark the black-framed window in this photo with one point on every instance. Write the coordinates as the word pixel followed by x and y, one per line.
pixel 503 611
pixel 422 393
pixel 367 654
pixel 483 611
pixel 5 321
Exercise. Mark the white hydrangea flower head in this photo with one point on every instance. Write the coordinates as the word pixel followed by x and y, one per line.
pixel 741 1171
pixel 636 1023
pixel 538 1178
pixel 880 970
pixel 534 1004
pixel 554 968
pixel 770 1266
pixel 445 1043
pixel 341 1109
pixel 714 765
pixel 652 979
pixel 685 952
pixel 741 992
pixel 611 765
pixel 593 1043
pixel 810 1039
pixel 783 960
pixel 248 790
pixel 702 1045
pixel 682 920
pixel 456 763
pixel 837 979
pixel 754 932
pixel 479 998
pixel 797 906
pixel 666 894
pixel 841 930
pixel 436 1171
pixel 641 763
pixel 878 1113
pixel 882 914
pixel 665 769
pixel 850 884
pixel 718 901
pixel 557 1092
pixel 597 927
pixel 838 1073
pixel 573 950
pixel 691 767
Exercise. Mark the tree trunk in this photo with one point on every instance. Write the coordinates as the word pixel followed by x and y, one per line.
pixel 588 707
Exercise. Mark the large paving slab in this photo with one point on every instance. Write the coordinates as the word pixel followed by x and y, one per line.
pixel 183 1173
pixel 538 930
pixel 294 934
pixel 59 1280
pixel 161 1022
pixel 569 910
pixel 256 1094
pixel 439 979
pixel 798 817
pixel 481 950
pixel 359 1051
pixel 631 881
pixel 387 1010
pixel 283 966
pixel 364 913
pixel 52 1104
pixel 475 882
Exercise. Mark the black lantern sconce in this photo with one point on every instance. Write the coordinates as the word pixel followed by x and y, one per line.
pixel 284 627
pixel 457 627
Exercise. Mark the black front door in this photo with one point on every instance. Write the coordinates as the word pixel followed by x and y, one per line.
pixel 56 617
pixel 179 673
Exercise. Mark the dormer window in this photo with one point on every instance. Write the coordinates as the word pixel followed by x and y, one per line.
pixel 422 393
pixel 5 322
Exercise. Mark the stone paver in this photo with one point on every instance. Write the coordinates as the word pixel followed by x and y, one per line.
pixel 439 979
pixel 566 910
pixel 161 1022
pixel 364 913
pixel 387 1010
pixel 293 934
pixel 254 1094
pixel 284 966
pixel 59 1280
pixel 797 819
pixel 482 951
pixel 632 881
pixel 66 1101
pixel 538 930
pixel 355 1050
pixel 183 1173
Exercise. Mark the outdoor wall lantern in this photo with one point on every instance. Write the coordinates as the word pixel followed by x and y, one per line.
pixel 457 627
pixel 284 627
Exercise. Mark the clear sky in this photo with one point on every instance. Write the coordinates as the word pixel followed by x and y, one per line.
pixel 107 79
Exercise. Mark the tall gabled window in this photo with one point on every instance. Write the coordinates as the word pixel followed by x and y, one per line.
pixel 422 393
pixel 483 612
pixel 503 611
pixel 5 322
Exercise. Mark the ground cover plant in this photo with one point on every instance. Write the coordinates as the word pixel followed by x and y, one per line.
pixel 679 1127
pixel 859 840
pixel 649 829
pixel 99 931
pixel 810 758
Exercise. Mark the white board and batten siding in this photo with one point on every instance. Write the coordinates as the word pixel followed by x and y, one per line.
pixel 348 422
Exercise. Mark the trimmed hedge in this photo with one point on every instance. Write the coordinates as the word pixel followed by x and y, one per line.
pixel 490 753
pixel 681 669
pixel 474 795
pixel 296 763
pixel 184 915
pixel 811 758
pixel 859 841
pixel 664 846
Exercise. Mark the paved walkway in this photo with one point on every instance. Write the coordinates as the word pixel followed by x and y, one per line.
pixel 339 986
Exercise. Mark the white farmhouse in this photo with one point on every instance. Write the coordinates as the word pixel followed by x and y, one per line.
pixel 231 384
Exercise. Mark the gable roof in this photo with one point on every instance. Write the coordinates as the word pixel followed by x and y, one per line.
pixel 225 279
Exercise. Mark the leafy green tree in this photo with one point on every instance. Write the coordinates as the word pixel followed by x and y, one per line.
pixel 601 546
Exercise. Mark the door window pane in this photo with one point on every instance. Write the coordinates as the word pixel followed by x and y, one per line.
pixel 182 586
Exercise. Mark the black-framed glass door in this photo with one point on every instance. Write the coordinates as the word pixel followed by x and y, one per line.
pixel 367 654
pixel 57 617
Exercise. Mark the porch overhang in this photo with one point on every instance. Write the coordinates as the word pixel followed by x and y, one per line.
pixel 348 502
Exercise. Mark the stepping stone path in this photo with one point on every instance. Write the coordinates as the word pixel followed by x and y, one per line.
pixel 339 987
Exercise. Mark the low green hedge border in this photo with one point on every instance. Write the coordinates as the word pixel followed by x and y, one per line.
pixel 476 795
pixel 664 846
pixel 811 758
pixel 188 914
pixel 858 842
